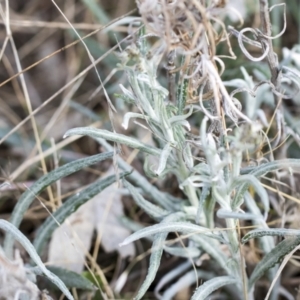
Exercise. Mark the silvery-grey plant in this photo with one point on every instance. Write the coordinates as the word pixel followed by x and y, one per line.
pixel 216 189
pixel 22 285
pixel 220 185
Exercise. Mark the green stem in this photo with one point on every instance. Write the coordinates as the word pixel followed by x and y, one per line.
pixel 189 189
pixel 232 236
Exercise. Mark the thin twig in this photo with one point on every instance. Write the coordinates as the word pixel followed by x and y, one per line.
pixel 64 48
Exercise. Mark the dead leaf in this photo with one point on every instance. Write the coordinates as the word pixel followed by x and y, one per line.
pixel 72 240
pixel 109 210
pixel 14 281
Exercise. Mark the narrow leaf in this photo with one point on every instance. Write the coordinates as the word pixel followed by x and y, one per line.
pixel 187 252
pixel 70 206
pixel 113 137
pixel 182 96
pixel 266 168
pixel 171 275
pixel 251 180
pixel 267 242
pixel 28 197
pixel 22 239
pixel 273 258
pixel 184 281
pixel 212 249
pixel 130 115
pixel 156 253
pixel 183 227
pixel 209 210
pixel 227 214
pixel 204 194
pixel 256 233
pixel 179 118
pixel 163 199
pixel 164 158
pixel 72 279
pixel 208 287
pixel 152 210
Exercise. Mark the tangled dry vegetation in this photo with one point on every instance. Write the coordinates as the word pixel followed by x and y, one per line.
pixel 169 123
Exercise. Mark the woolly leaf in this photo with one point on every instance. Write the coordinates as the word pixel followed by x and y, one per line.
pixel 250 179
pixel 163 199
pixel 208 287
pixel 185 281
pixel 130 115
pixel 69 206
pixel 183 227
pixel 171 275
pixel 186 252
pixel 113 137
pixel 227 214
pixel 212 248
pixel 28 197
pixel 156 253
pixel 22 239
pixel 273 258
pixel 152 210
pixel 256 233
pixel 164 158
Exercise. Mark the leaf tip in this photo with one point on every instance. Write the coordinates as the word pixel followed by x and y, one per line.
pixel 67 134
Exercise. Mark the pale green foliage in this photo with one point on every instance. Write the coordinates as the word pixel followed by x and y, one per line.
pixel 220 180
pixel 13 233
pixel 211 285
pixel 205 138
pixel 11 229
pixel 70 206
pixel 28 197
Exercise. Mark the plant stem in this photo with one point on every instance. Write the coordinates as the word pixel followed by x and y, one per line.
pixel 189 189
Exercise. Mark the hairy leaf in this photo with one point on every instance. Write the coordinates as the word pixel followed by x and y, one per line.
pixel 113 137
pixel 204 194
pixel 183 227
pixel 22 239
pixel 227 214
pixel 250 180
pixel 271 166
pixel 152 210
pixel 72 279
pixel 164 158
pixel 256 233
pixel 262 170
pixel 208 287
pixel 163 199
pixel 212 248
pixel 171 275
pixel 184 281
pixel 71 205
pixel 273 258
pixel 130 115
pixel 187 252
pixel 156 253
pixel 28 197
